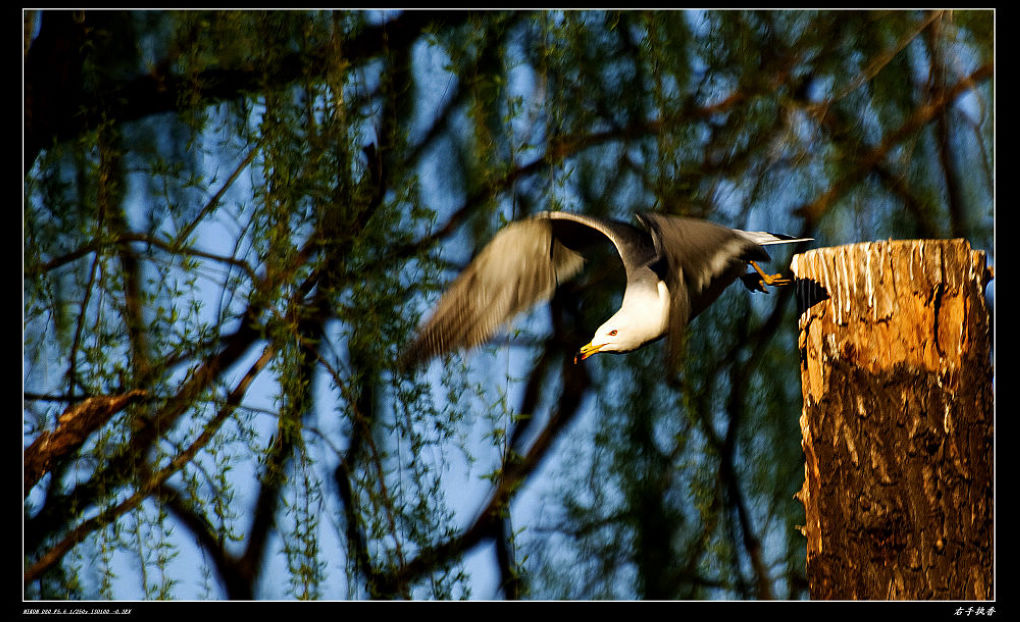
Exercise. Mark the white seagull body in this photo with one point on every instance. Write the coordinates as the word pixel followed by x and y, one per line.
pixel 675 267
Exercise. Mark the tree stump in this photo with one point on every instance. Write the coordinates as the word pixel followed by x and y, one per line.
pixel 897 423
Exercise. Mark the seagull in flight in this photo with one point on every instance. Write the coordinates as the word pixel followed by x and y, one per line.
pixel 674 267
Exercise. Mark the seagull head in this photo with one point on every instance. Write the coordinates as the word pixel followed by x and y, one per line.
pixel 641 319
pixel 616 335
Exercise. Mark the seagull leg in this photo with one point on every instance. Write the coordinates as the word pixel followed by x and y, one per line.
pixel 769 279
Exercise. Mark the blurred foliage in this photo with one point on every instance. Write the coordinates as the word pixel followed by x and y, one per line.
pixel 245 214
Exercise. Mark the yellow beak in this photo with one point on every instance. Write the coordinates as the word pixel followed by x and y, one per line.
pixel 585 351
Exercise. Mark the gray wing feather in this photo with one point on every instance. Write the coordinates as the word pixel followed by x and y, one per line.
pixel 578 232
pixel 697 260
pixel 520 267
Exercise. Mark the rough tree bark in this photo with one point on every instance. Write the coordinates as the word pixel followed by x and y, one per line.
pixel 897 421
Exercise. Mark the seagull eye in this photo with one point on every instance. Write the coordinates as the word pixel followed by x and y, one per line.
pixel 612 333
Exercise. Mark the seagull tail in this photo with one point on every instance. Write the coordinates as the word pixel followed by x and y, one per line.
pixel 765 238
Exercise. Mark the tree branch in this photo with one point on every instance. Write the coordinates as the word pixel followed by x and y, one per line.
pixel 75 425
pixel 51 119
pixel 156 480
pixel 514 471
pixel 126 238
pixel 922 115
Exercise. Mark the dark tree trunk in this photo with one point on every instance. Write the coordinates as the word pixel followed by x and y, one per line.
pixel 898 421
